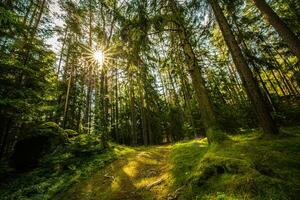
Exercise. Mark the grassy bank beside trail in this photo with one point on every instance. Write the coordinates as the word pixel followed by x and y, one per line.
pixel 58 173
pixel 247 167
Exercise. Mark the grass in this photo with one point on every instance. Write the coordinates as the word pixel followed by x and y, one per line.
pixel 246 167
pixel 58 173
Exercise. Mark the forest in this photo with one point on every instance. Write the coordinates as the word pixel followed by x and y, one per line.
pixel 150 99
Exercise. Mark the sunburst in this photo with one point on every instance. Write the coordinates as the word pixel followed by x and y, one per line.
pixel 98 58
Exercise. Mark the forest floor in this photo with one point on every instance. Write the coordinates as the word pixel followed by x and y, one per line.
pixel 142 174
pixel 247 166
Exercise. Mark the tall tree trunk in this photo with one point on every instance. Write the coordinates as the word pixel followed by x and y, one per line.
pixel 105 111
pixel 143 116
pixel 204 101
pixel 117 106
pixel 251 86
pixel 67 96
pixel 270 81
pixel 288 36
pixel 89 89
pixel 4 135
pixel 62 52
pixel 208 114
pixel 132 110
pixel 251 62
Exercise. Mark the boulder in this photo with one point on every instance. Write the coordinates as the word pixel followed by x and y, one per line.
pixel 43 140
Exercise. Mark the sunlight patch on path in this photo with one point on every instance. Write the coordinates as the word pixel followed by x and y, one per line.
pixel 130 168
pixel 143 174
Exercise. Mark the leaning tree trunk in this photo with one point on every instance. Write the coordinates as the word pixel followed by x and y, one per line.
pixel 208 114
pixel 206 106
pixel 288 36
pixel 250 84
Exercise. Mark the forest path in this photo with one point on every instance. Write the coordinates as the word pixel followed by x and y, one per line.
pixel 142 174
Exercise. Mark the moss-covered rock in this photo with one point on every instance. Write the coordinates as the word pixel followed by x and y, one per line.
pixel 71 133
pixel 216 165
pixel 44 139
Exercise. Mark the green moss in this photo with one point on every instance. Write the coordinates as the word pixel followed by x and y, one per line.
pixel 245 167
pixel 185 156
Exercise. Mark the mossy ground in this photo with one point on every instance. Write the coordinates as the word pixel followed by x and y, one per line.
pixel 247 166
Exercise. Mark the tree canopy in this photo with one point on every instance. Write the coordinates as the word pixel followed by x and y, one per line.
pixel 146 72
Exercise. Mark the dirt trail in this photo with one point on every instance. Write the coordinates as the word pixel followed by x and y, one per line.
pixel 139 175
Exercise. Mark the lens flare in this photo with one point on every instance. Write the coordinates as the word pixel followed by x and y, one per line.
pixel 99 56
pixel 97 59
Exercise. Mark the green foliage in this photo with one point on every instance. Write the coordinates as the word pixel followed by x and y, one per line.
pixel 232 118
pixel 288 111
pixel 7 17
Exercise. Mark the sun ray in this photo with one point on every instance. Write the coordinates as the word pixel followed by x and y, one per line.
pixel 99 57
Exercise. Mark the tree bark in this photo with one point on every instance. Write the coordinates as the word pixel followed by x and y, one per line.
pixel 283 30
pixel 132 110
pixel 67 96
pixel 251 86
pixel 204 101
pixel 208 114
pixel 89 89
pixel 117 107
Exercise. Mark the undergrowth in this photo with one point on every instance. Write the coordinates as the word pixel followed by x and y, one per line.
pixel 58 172
pixel 246 167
